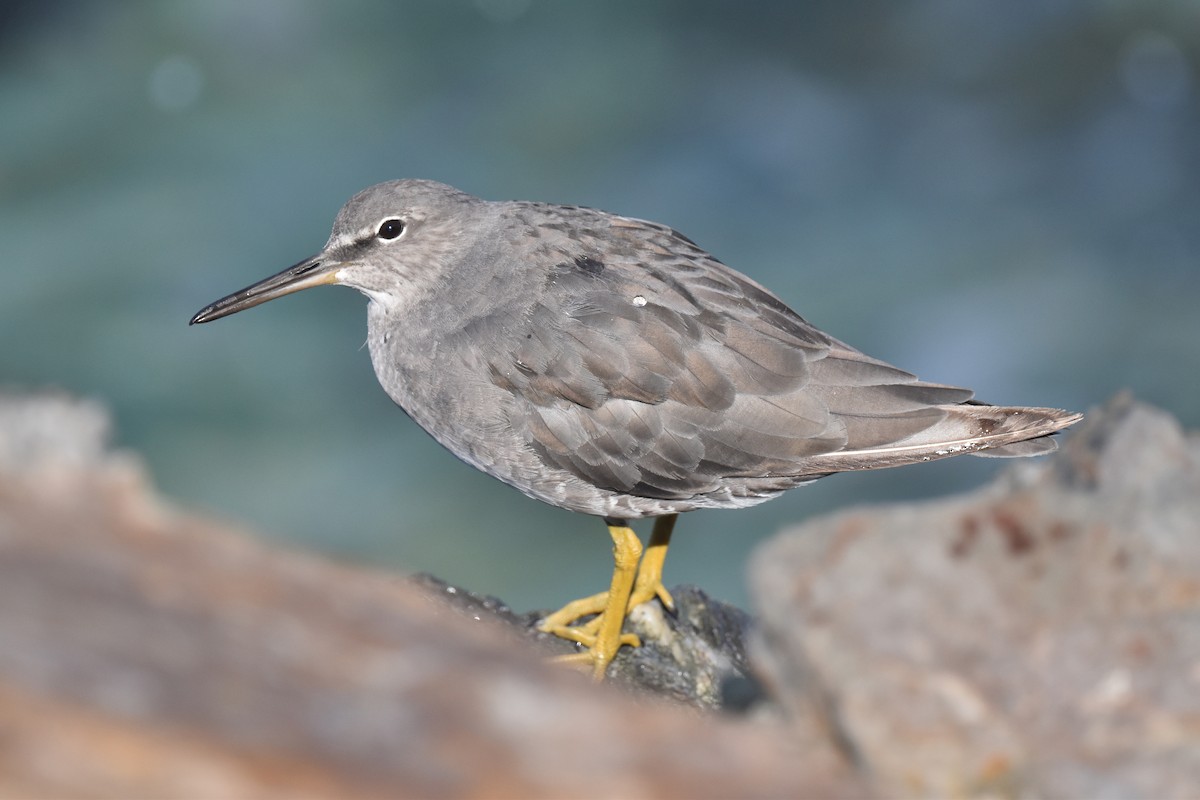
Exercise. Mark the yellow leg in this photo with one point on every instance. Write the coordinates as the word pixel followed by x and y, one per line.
pixel 627 551
pixel 602 635
pixel 606 639
pixel 649 578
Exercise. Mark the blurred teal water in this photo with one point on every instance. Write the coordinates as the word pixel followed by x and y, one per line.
pixel 1003 196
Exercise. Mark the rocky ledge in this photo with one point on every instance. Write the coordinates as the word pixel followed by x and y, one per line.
pixel 1038 637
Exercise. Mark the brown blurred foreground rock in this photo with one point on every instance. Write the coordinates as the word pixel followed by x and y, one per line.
pixel 1039 638
pixel 148 653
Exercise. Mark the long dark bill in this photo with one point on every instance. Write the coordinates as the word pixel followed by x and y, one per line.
pixel 309 272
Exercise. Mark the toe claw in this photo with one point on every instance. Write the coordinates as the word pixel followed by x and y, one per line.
pixel 665 598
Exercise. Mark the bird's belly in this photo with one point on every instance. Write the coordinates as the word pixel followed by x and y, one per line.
pixel 450 395
pixel 471 418
pixel 474 421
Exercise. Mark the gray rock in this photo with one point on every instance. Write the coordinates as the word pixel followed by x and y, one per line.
pixel 1040 637
pixel 40 429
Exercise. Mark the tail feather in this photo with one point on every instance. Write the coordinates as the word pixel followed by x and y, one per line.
pixel 974 428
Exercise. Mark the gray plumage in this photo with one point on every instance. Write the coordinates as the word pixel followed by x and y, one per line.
pixel 610 366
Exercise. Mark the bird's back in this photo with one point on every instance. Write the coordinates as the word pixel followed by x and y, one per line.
pixel 641 376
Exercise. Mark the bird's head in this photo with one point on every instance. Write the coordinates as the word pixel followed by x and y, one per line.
pixel 388 242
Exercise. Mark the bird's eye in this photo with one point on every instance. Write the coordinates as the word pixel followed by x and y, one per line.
pixel 390 228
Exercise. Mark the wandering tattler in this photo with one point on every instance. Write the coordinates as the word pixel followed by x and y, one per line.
pixel 610 366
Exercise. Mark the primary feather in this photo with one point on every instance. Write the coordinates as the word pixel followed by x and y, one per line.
pixel 651 369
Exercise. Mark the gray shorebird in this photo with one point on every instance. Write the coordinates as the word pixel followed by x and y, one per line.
pixel 610 366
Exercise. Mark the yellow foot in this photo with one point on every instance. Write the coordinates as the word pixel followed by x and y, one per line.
pixel 585 634
pixel 598 655
pixel 602 634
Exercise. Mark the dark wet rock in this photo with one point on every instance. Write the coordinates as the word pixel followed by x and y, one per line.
pixel 695 655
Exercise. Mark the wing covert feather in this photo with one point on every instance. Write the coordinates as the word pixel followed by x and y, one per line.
pixel 672 382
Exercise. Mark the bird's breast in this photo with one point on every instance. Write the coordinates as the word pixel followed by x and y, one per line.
pixel 443 382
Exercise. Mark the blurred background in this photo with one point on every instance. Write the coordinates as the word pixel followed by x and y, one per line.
pixel 999 195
